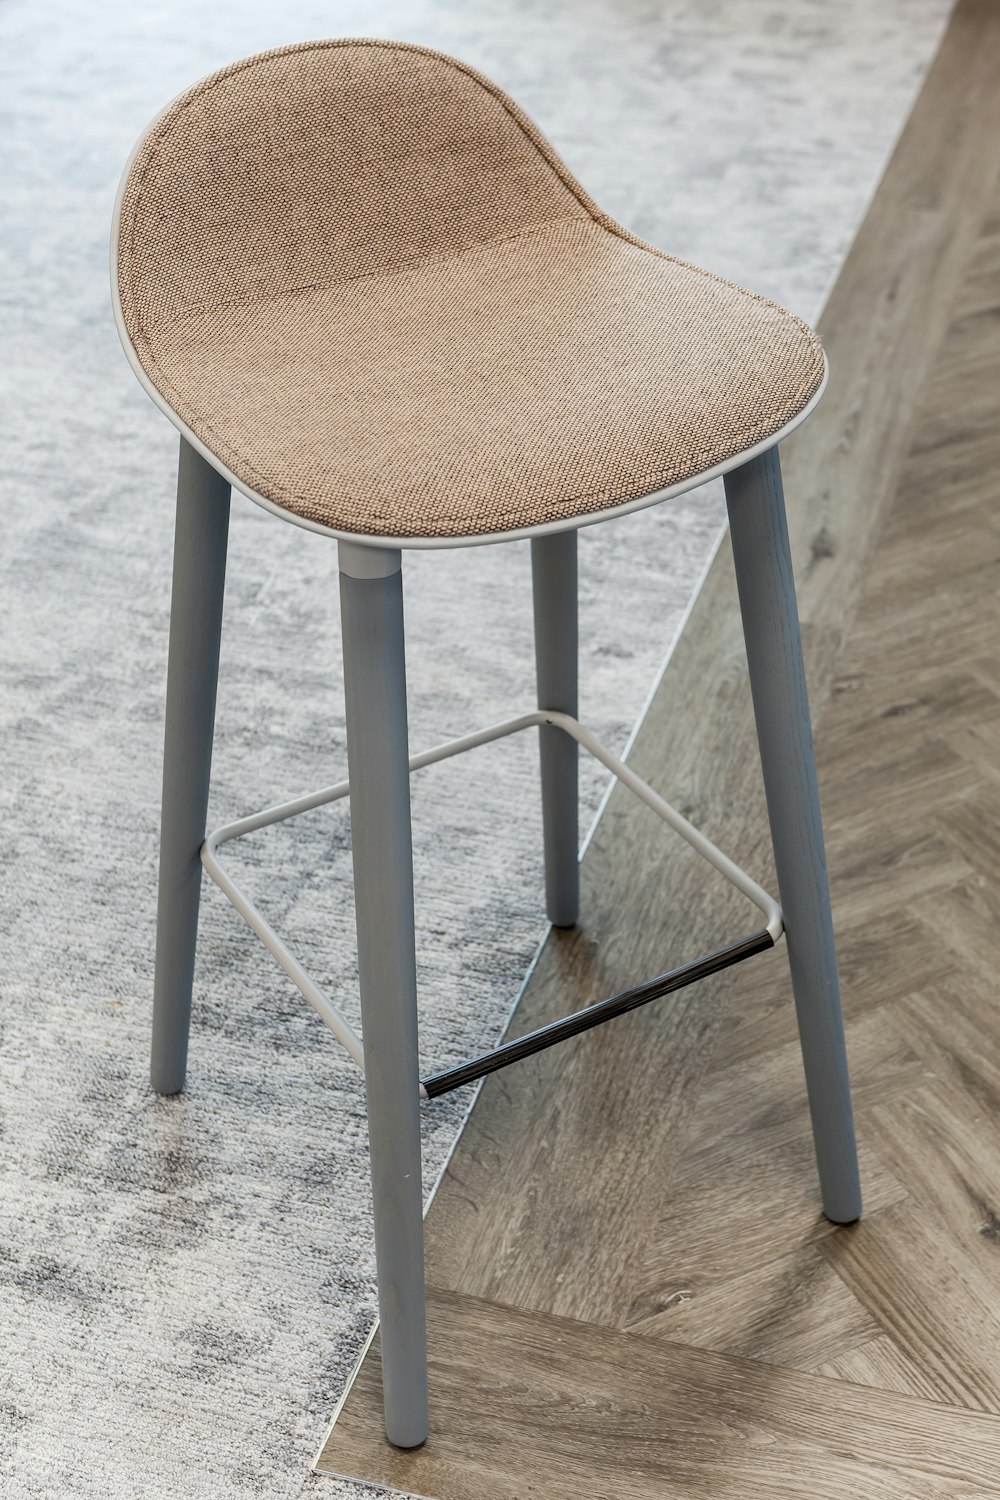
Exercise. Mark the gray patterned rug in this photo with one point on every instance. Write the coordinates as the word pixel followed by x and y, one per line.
pixel 184 1284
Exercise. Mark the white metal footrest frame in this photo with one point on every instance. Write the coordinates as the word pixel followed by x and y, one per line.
pixel 556 1031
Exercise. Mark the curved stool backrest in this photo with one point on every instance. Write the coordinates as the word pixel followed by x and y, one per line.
pixel 321 163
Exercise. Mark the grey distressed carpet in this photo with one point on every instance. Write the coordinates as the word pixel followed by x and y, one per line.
pixel 184 1284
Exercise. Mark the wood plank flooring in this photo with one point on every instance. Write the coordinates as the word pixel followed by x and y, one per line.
pixel 632 1290
pixel 585 1410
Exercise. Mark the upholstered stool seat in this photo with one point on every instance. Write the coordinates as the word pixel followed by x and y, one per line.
pixel 370 297
pixel 463 370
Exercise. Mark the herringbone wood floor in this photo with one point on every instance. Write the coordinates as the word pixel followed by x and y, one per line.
pixel 633 1293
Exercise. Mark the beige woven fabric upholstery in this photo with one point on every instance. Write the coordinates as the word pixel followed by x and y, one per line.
pixel 361 277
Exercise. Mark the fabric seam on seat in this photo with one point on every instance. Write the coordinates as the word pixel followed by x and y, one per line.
pixel 604 222
pixel 382 274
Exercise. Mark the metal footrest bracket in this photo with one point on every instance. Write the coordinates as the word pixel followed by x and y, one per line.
pixel 557 1031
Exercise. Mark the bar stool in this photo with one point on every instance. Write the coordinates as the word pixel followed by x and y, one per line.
pixel 372 299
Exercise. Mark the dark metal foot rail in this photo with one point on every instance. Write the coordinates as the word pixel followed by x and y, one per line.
pixel 595 1015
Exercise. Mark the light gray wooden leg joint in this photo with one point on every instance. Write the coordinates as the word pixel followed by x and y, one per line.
pixel 781 708
pixel 200 538
pixel 371 597
pixel 554 586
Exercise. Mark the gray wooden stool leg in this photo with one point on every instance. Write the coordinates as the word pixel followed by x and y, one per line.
pixel 554 584
pixel 200 537
pixel 371 602
pixel 781 708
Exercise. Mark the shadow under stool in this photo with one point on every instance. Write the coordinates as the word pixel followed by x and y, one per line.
pixel 373 300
